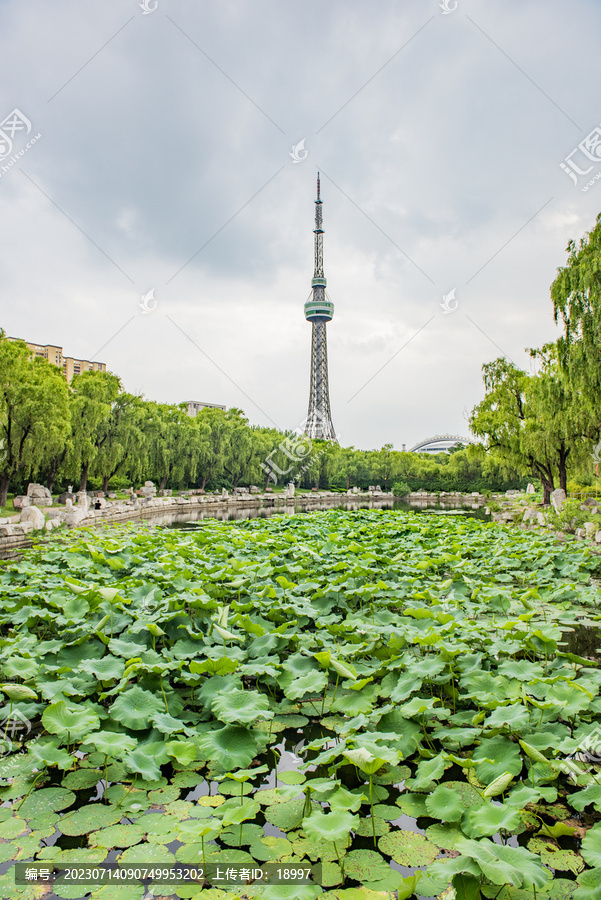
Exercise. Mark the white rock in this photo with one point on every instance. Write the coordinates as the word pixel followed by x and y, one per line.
pixel 558 498
pixel 590 529
pixel 34 515
pixel 540 518
pixel 75 516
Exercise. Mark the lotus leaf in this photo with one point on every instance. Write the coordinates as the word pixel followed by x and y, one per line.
pixel 116 836
pixel 408 848
pixel 241 707
pixel 45 800
pixel 413 804
pixel 489 819
pixel 554 856
pixel 228 748
pixel 69 723
pixel 495 756
pixel 588 885
pixel 240 812
pixel 287 816
pixel 89 818
pixel 591 846
pixel 445 803
pixel 444 836
pixel 135 707
pixel 269 848
pixel 11 828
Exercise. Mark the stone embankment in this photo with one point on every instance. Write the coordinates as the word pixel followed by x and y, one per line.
pixel 38 515
pixel 518 510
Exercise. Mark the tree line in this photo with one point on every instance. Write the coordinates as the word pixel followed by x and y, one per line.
pixel 94 435
pixel 547 423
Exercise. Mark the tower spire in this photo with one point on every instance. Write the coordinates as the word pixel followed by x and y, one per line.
pixel 319 311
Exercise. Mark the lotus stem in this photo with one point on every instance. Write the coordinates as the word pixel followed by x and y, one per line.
pixel 371 802
pixel 39 775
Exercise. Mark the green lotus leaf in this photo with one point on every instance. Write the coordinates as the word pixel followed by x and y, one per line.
pixel 144 762
pixel 182 751
pixel 89 818
pixel 495 756
pixel 240 812
pixel 444 836
pixel 109 668
pixel 430 771
pixel 333 826
pixel 46 753
pixel 135 707
pixel 111 743
pixel 82 779
pixel 408 848
pixel 392 774
pixel 385 811
pixel 591 794
pixel 221 666
pixel 311 683
pixel 522 794
pixel 555 857
pixel 269 848
pixel 364 760
pixel 65 722
pixel 445 803
pixel 45 800
pixel 18 692
pixel 367 826
pixel 286 816
pixel 591 845
pixel 413 804
pixel 291 777
pixel 228 748
pixel 234 837
pixel 116 836
pixel 467 887
pixel 489 819
pixel 588 885
pixel 241 707
pixel 365 865
pixel 345 799
pixel 12 827
pixel 514 716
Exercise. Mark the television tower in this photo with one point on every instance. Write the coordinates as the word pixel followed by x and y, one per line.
pixel 319 310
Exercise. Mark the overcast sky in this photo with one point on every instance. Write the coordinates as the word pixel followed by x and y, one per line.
pixel 164 164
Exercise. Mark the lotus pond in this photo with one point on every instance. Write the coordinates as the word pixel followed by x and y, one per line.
pixel 383 693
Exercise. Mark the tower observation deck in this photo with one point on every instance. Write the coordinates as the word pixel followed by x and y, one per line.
pixel 319 310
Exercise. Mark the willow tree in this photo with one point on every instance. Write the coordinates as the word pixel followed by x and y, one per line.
pixel 514 420
pixel 92 399
pixel 34 413
pixel 576 295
